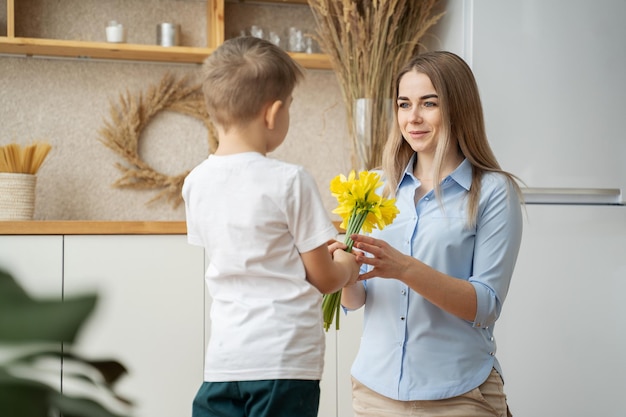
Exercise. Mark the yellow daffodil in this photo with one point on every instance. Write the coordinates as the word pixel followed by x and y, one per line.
pixel 360 208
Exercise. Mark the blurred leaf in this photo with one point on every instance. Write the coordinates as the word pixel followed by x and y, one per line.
pixel 29 330
pixel 23 319
pixel 19 398
pixel 111 370
pixel 10 291
pixel 80 407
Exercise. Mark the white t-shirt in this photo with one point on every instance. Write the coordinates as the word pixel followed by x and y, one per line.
pixel 254 216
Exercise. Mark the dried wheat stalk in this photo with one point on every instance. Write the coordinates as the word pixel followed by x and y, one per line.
pixel 368 41
pixel 132 114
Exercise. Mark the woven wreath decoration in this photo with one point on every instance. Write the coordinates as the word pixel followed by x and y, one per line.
pixel 129 118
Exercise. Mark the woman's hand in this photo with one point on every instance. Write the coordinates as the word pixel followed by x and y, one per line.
pixel 387 262
pixel 456 296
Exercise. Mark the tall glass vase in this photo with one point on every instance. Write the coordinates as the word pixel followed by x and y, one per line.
pixel 371 121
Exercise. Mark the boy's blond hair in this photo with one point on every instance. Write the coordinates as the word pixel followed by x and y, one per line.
pixel 243 75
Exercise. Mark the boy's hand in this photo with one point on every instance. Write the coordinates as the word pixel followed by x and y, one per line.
pixel 349 260
pixel 333 245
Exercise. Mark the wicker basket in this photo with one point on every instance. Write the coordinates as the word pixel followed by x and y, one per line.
pixel 17 196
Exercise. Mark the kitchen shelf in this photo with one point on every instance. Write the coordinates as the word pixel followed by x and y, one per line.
pixel 30 46
pixel 95 227
pixel 128 52
pixel 102 50
pixel 83 227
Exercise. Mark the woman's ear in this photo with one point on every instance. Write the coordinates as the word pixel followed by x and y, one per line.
pixel 270 113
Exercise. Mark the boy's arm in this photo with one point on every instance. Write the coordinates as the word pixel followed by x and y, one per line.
pixel 329 273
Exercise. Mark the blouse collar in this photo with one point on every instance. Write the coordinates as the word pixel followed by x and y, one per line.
pixel 462 174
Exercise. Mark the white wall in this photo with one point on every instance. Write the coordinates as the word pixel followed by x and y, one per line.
pixel 551 75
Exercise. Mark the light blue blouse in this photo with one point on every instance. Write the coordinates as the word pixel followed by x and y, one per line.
pixel 411 349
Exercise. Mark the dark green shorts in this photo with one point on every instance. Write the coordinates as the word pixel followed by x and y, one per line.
pixel 267 398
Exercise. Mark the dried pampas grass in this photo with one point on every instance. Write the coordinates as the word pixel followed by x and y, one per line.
pixel 133 113
pixel 368 42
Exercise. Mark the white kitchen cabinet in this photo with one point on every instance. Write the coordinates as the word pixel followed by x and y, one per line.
pixel 348 341
pixel 328 384
pixel 341 348
pixel 36 263
pixel 561 338
pixel 149 315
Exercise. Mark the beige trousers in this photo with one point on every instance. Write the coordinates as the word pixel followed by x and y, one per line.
pixel 488 400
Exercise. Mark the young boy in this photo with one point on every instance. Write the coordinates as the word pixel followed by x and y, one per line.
pixel 265 232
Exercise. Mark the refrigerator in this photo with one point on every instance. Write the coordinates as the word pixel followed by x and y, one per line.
pixel 552 78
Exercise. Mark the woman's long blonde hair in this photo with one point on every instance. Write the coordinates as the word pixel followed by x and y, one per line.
pixel 463 121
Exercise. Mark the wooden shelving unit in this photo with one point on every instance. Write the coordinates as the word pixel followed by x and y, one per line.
pixel 101 50
pixel 13 45
pixel 87 227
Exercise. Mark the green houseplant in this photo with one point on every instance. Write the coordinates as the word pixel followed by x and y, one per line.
pixel 36 336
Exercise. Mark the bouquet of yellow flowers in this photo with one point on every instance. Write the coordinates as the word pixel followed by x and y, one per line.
pixel 360 208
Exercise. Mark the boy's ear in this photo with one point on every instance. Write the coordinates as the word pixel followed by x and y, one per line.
pixel 270 113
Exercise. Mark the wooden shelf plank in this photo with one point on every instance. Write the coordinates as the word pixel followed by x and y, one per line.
pixel 10 18
pixel 128 52
pixel 312 61
pixel 102 50
pixel 95 227
pixel 80 227
pixel 215 27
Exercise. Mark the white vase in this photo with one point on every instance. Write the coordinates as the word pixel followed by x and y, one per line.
pixel 371 122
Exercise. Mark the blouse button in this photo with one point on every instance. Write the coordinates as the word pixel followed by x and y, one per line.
pixel 402 318
pixel 403 292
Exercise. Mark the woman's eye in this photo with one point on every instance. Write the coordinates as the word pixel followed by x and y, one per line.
pixel 430 104
pixel 403 105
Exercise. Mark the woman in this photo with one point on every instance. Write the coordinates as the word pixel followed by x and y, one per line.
pixel 437 276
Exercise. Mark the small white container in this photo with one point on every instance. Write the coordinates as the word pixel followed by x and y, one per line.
pixel 115 32
pixel 168 34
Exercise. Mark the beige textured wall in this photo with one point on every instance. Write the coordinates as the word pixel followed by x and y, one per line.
pixel 66 102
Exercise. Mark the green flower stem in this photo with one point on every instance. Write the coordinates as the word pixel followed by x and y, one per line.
pixel 331 303
pixel 355 223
